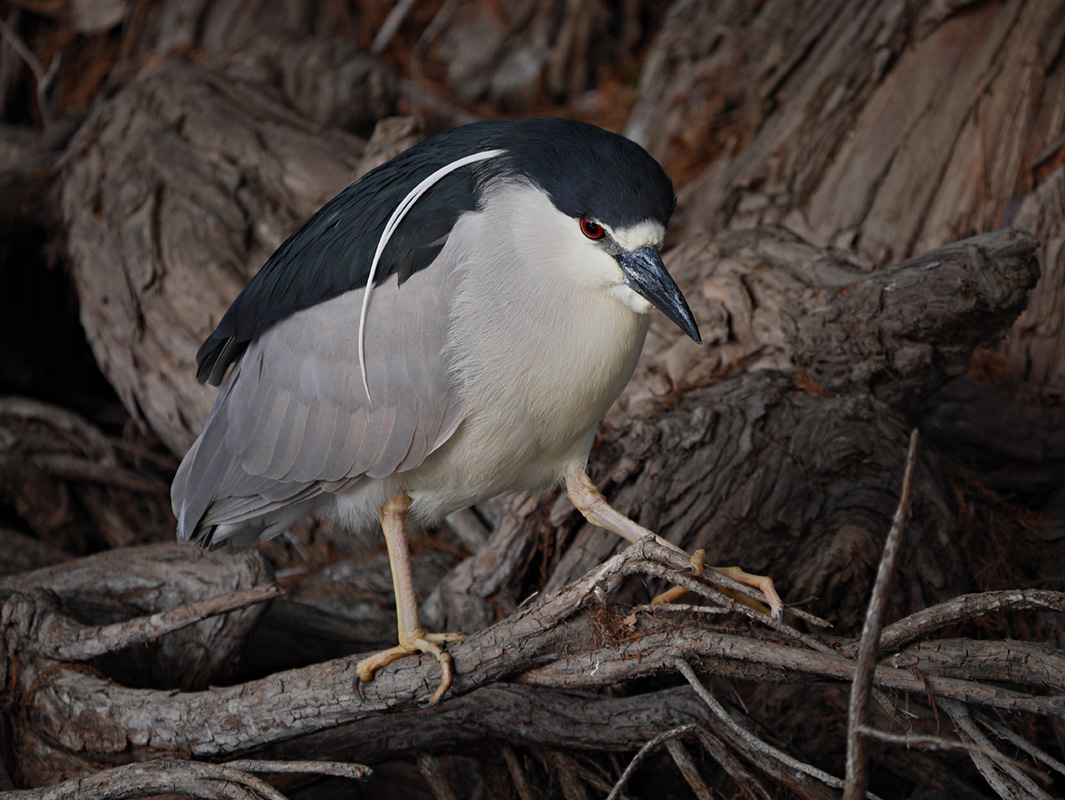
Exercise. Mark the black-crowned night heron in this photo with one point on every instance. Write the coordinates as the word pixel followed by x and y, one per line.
pixel 450 327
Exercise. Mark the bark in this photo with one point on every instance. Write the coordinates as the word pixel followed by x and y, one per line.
pixel 68 480
pixel 802 479
pixel 167 220
pixel 888 128
pixel 562 641
pixel 818 149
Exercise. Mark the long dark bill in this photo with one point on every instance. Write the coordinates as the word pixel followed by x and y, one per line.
pixel 646 274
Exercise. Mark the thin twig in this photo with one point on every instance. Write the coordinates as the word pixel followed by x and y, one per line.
pixel 748 782
pixel 434 776
pixel 926 742
pixel 517 775
pixel 686 764
pixel 966 607
pixel 165 776
pixel 1001 773
pixel 571 778
pixel 862 686
pixel 391 25
pixel 1022 744
pixel 335 769
pixel 96 640
pixel 752 740
pixel 645 751
pixel 42 78
pixel 73 467
pixel 684 608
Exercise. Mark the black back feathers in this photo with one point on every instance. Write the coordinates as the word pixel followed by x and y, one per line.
pixel 585 170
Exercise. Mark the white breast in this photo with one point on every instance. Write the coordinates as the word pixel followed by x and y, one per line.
pixel 541 343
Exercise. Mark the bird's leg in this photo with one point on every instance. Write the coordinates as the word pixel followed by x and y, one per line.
pixel 591 503
pixel 412 638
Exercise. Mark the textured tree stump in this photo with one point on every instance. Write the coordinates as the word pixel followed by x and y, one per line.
pixel 168 220
pixel 887 128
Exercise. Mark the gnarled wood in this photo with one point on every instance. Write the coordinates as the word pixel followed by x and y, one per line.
pixel 888 128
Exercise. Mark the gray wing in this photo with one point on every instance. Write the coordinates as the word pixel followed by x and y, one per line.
pixel 293 421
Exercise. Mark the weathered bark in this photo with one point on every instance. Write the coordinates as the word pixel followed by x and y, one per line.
pixel 168 219
pixel 67 480
pixel 888 128
pixel 112 586
pixel 768 467
pixel 881 127
pixel 80 719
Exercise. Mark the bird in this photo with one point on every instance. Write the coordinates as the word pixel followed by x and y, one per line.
pixel 452 326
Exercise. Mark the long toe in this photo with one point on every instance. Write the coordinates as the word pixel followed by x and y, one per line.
pixel 426 643
pixel 762 583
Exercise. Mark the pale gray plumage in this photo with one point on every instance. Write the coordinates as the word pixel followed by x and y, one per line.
pixel 515 266
pixel 293 422
pixel 465 402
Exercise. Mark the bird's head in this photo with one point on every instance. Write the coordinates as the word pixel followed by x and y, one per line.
pixel 609 203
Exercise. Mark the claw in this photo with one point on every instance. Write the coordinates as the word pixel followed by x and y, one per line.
pixel 425 643
pixel 761 582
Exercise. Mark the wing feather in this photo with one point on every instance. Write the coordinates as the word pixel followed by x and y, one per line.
pixel 293 420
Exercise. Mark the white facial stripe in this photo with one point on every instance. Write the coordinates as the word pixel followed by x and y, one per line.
pixel 649 232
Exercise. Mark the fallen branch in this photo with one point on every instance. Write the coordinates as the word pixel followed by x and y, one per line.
pixel 869 646
pixel 232 781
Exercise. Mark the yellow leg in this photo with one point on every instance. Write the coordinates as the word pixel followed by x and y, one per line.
pixel 591 503
pixel 412 638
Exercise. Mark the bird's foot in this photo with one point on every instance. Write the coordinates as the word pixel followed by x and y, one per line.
pixel 674 593
pixel 761 582
pixel 428 643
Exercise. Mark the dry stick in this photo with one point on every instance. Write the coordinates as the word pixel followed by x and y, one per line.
pixel 752 740
pixel 517 776
pixel 1022 744
pixel 569 776
pixel 861 687
pixel 645 751
pixel 999 771
pixel 334 769
pixel 76 468
pixel 748 782
pixel 966 607
pixel 96 640
pixel 391 25
pixel 42 77
pixel 686 764
pixel 189 778
pixel 936 743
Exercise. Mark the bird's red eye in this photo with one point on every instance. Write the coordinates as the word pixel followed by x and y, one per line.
pixel 592 229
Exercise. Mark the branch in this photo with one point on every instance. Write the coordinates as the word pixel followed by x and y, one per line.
pixel 966 607
pixel 861 688
pixel 752 742
pixel 232 781
pixel 65 639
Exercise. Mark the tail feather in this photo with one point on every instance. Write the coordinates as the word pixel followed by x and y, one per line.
pixel 217 502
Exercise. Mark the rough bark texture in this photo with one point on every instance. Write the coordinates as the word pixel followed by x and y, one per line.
pixel 887 127
pixel 829 156
pixel 167 218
